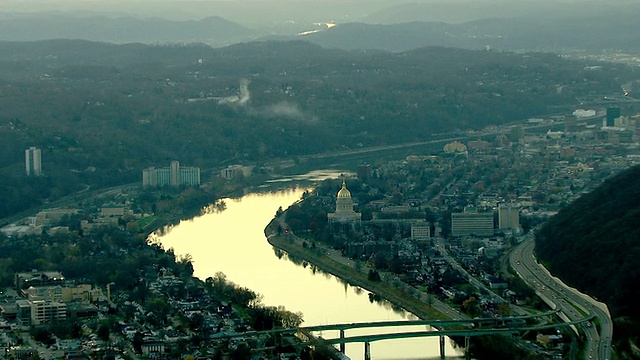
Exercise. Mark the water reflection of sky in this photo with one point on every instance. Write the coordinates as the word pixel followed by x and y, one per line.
pixel 316 175
pixel 233 242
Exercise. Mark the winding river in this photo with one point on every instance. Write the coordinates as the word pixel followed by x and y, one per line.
pixel 232 241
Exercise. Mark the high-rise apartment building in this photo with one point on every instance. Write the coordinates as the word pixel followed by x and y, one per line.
pixel 173 175
pixel 33 161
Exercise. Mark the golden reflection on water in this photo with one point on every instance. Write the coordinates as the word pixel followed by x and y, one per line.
pixel 230 239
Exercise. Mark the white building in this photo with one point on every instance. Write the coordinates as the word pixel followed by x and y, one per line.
pixel 33 161
pixel 173 175
pixel 508 217
pixel 235 172
pixel 344 208
pixel 43 311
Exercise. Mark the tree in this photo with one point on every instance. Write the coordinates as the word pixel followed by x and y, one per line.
pixel 242 352
pixel 103 332
pixel 137 341
pixel 373 276
pixel 471 306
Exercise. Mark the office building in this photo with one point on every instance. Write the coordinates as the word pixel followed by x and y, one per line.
pixel 421 231
pixel 33 161
pixel 37 312
pixel 44 311
pixel 612 114
pixel 472 222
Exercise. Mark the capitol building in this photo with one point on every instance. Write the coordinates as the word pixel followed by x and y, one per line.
pixel 344 213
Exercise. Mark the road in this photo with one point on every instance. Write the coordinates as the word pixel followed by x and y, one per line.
pixel 573 304
pixel 472 280
pixel 443 138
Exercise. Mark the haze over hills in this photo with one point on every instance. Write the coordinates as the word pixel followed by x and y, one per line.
pixel 594 36
pixel 465 11
pixel 214 30
pixel 555 26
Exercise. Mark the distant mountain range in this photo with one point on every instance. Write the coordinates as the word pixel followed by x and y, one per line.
pixel 553 27
pixel 594 35
pixel 550 26
pixel 213 30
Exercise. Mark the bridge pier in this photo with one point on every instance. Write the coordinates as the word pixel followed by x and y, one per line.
pixel 367 350
pixel 441 347
pixel 342 344
pixel 467 341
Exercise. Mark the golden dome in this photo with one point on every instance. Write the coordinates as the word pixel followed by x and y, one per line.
pixel 344 192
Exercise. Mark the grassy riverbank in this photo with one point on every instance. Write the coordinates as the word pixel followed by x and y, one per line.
pixel 294 247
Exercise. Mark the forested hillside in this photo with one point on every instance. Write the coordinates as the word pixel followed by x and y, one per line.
pixel 594 245
pixel 102 112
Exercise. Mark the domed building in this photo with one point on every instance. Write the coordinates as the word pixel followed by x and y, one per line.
pixel 344 208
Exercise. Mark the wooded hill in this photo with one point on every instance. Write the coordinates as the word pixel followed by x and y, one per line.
pixel 102 112
pixel 594 245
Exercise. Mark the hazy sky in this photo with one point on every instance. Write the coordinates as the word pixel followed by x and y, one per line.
pixel 250 12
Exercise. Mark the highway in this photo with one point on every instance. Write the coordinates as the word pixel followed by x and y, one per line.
pixel 572 304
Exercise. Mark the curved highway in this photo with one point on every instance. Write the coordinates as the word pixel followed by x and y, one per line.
pixel 573 305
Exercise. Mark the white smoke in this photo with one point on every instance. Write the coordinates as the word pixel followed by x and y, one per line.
pixel 242 98
pixel 284 109
pixel 244 92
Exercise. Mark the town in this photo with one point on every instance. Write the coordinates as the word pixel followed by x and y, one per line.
pixel 427 223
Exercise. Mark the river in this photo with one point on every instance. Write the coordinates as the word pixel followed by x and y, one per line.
pixel 232 241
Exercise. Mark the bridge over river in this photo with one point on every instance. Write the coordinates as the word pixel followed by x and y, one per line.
pixel 441 328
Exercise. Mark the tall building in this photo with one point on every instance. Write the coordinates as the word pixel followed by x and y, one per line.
pixel 33 161
pixel 173 175
pixel 472 222
pixel 612 114
pixel 508 217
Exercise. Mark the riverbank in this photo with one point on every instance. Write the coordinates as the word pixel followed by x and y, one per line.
pixel 347 271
